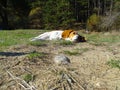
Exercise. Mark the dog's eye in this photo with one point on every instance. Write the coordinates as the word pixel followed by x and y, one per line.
pixel 73 32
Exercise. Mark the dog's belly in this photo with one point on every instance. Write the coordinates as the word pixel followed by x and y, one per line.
pixel 55 35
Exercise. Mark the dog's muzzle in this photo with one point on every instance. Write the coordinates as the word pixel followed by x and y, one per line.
pixel 78 38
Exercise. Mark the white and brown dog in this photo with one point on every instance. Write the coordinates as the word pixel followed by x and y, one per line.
pixel 69 35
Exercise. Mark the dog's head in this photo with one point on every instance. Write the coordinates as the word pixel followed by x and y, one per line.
pixel 72 36
pixel 69 35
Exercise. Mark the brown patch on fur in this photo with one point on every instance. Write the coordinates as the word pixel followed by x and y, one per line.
pixel 71 33
pixel 67 33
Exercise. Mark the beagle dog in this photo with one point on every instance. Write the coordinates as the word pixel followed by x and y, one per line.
pixel 69 35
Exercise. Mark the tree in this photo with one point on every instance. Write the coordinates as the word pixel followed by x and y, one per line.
pixel 52 14
pixel 80 9
pixel 21 9
pixel 3 14
pixel 9 9
pixel 57 14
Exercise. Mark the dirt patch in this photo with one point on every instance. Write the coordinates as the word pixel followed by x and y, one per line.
pixel 88 69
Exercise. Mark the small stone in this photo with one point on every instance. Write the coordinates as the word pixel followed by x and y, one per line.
pixel 61 59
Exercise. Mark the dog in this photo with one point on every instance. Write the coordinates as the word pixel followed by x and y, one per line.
pixel 69 35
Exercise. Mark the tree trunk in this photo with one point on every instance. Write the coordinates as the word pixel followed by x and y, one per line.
pixel 99 7
pixel 88 10
pixel 111 7
pixel 3 14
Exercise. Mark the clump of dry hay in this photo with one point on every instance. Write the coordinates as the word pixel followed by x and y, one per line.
pixel 109 22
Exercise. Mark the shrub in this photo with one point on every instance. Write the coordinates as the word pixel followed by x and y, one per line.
pixel 35 18
pixel 93 23
pixel 110 22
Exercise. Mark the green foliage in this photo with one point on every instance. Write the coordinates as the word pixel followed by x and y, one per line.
pixel 36 3
pixel 93 23
pixel 57 14
pixel 28 77
pixel 34 55
pixel 117 6
pixel 35 18
pixel 35 11
pixel 21 7
pixel 71 52
pixel 18 14
pixel 114 63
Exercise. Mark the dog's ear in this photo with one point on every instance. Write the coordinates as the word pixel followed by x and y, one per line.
pixel 66 33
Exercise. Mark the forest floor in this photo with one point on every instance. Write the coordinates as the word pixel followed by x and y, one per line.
pixel 95 64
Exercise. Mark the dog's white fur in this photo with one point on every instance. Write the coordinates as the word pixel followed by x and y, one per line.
pixel 53 35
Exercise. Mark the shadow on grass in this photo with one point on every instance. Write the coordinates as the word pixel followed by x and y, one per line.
pixel 12 53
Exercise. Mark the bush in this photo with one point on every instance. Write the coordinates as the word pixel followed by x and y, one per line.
pixel 110 22
pixel 117 6
pixel 93 23
pixel 35 18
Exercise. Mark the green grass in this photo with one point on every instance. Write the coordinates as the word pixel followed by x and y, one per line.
pixel 76 51
pixel 114 63
pixel 71 52
pixel 81 50
pixel 63 42
pixel 36 43
pixel 14 37
pixel 99 38
pixel 34 55
pixel 28 77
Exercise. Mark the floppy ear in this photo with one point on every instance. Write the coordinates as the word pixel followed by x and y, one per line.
pixel 66 33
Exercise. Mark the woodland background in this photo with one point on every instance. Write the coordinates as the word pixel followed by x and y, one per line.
pixel 92 15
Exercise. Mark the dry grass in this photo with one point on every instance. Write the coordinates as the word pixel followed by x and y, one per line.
pixel 88 68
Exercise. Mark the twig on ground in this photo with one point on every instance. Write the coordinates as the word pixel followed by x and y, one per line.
pixel 21 82
pixel 71 79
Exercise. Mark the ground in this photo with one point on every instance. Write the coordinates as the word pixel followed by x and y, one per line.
pixel 31 65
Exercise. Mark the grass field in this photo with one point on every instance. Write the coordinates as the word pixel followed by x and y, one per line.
pixel 95 64
pixel 14 37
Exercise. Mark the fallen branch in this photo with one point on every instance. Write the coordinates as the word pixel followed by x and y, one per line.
pixel 71 79
pixel 21 82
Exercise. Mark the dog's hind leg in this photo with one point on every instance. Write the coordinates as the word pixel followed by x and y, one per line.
pixel 44 36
